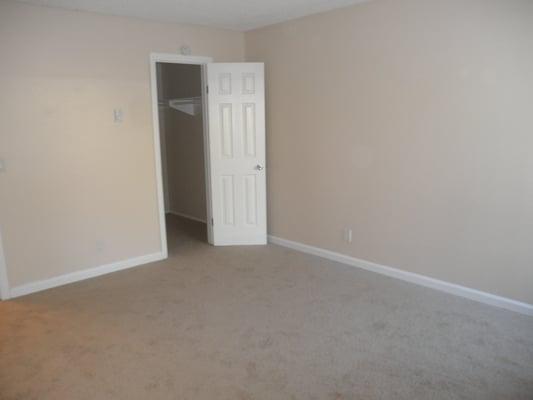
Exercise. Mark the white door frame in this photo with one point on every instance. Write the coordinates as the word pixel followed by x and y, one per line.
pixel 4 283
pixel 178 59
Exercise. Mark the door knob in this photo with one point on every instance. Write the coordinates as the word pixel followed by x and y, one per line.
pixel 259 167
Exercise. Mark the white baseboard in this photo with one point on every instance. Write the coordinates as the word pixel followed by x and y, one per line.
pixel 84 274
pixel 178 214
pixel 472 294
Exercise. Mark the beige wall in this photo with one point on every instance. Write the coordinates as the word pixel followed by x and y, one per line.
pixel 184 172
pixel 79 190
pixel 411 122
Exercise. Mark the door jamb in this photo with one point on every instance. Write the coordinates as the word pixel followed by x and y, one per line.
pixel 4 282
pixel 179 59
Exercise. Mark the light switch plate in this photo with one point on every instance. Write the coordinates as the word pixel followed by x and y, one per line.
pixel 118 115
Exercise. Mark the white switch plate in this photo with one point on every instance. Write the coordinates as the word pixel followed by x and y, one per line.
pixel 118 115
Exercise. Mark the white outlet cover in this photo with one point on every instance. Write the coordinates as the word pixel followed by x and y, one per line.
pixel 348 235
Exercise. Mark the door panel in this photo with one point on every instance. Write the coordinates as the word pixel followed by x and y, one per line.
pixel 236 122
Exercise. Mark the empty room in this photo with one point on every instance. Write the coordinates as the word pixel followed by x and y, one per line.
pixel 263 200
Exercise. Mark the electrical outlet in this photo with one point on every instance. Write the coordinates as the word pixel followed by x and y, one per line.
pixel 348 235
pixel 100 246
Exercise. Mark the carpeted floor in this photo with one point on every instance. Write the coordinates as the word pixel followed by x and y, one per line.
pixel 257 323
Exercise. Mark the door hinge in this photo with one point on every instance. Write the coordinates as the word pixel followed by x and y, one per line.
pixel 207 89
pixel 212 222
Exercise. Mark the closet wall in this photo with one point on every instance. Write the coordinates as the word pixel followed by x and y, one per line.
pixel 182 142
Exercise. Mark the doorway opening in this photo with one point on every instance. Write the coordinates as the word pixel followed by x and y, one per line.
pixel 180 122
pixel 232 113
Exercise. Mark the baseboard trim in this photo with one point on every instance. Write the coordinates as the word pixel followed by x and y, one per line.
pixel 61 280
pixel 443 286
pixel 178 214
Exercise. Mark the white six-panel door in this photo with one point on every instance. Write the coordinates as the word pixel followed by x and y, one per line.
pixel 236 121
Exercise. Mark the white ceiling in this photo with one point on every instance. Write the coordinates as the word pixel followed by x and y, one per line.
pixel 239 15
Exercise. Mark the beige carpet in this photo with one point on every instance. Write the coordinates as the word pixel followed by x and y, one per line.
pixel 258 323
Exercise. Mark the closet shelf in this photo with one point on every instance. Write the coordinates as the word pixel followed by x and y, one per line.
pixel 187 105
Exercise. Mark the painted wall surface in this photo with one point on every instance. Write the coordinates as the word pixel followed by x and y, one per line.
pixel 410 122
pixel 79 191
pixel 185 189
